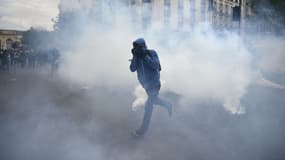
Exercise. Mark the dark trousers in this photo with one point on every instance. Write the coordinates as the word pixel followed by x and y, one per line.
pixel 153 98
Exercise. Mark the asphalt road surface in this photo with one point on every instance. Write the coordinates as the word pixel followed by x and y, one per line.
pixel 44 118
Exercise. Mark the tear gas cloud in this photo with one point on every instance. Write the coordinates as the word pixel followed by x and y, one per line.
pixel 86 112
pixel 201 65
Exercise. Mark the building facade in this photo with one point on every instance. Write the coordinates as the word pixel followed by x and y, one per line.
pixel 231 14
pixel 10 37
pixel 181 14
pixel 173 14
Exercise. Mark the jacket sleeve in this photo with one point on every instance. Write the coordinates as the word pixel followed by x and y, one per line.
pixel 152 60
pixel 134 64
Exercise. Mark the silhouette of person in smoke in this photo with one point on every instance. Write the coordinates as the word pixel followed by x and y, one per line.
pixel 146 63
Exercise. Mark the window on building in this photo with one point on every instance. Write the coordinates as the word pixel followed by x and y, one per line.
pixel 133 2
pixel 146 1
pixel 211 5
pixel 236 13
pixel 180 12
pixel 167 11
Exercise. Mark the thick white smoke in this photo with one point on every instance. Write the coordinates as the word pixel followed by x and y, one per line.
pixel 270 54
pixel 206 66
pixel 196 65
pixel 86 113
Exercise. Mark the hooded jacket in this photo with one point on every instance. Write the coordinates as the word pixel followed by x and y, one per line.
pixel 148 68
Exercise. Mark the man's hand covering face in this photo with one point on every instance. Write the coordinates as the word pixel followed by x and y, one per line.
pixel 139 50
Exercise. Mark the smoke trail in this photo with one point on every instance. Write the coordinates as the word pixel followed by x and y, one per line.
pixel 141 98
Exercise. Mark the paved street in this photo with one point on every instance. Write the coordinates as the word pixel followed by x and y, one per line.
pixel 43 117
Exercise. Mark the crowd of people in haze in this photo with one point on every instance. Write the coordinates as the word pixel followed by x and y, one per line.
pixel 24 57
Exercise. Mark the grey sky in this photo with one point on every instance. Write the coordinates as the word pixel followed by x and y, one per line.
pixel 23 14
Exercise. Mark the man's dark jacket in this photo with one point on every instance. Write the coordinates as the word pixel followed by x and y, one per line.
pixel 148 69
